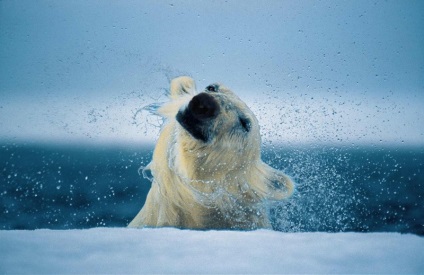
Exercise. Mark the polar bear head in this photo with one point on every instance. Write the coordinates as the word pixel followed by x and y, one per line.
pixel 217 139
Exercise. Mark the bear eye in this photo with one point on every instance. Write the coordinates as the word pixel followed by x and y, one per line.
pixel 212 88
pixel 245 123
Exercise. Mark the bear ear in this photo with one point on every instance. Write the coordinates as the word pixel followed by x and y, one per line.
pixel 181 86
pixel 278 185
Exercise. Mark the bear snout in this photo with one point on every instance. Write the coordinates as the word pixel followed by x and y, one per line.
pixel 203 106
pixel 197 117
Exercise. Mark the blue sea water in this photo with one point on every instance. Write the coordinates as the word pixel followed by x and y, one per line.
pixel 338 189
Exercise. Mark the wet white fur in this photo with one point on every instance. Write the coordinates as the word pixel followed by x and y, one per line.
pixel 222 184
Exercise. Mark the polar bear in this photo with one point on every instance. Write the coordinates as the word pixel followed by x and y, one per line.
pixel 206 170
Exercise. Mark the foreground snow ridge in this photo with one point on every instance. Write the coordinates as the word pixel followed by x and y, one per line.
pixel 169 250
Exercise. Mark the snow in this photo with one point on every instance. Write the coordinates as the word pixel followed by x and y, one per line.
pixel 169 250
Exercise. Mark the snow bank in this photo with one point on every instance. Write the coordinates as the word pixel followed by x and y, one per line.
pixel 168 250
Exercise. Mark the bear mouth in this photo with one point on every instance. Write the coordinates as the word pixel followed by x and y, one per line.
pixel 197 118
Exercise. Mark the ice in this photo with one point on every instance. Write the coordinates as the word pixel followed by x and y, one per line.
pixel 169 250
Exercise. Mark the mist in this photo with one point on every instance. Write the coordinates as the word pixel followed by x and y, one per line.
pixel 313 72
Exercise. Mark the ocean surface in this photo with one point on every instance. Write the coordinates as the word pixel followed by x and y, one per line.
pixel 338 189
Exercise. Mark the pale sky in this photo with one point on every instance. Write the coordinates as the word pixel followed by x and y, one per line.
pixel 312 71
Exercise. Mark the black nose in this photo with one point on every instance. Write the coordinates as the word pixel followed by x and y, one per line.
pixel 203 106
